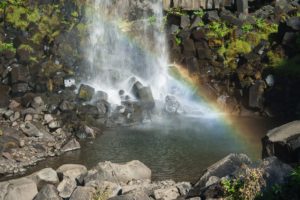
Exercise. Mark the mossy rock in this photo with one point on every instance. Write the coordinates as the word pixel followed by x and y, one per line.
pixel 49 68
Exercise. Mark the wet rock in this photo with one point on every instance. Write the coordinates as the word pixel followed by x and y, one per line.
pixel 72 145
pixel 101 95
pixel 144 94
pixel 83 193
pixel 189 49
pixel 72 171
pixel 171 104
pixel 283 142
pixel 45 176
pixel 86 92
pixel 166 193
pixel 66 187
pixel 256 94
pixel 112 172
pixel 48 192
pixel 21 189
pixel 184 21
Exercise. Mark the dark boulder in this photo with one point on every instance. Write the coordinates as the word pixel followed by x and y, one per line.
pixel 283 142
pixel 86 92
pixel 4 94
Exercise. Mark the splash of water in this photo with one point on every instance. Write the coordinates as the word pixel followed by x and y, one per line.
pixel 127 40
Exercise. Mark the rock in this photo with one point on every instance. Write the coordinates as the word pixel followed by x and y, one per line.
pixel 13 105
pixel 275 171
pixel 19 74
pixel 15 116
pixel 224 167
pixel 66 187
pixel 86 92
pixel 242 7
pixel 72 171
pixel 107 171
pixel 183 188
pixel 144 94
pixel 69 82
pixel 31 130
pixel 4 93
pixel 184 21
pixel 101 95
pixel 171 104
pixel 270 80
pixel 283 142
pixel 189 49
pixel 293 23
pixel 211 16
pixel 83 193
pixel 21 189
pixel 54 125
pixel 169 193
pixel 72 145
pixel 45 176
pixel 48 118
pixel 48 192
pixel 37 102
pixel 134 195
pixel 256 92
pixel 212 180
pixel 19 88
pixel 66 106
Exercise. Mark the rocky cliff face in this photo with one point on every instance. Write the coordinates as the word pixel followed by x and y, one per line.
pixel 247 63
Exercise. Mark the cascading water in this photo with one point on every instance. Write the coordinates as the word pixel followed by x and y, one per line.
pixel 127 40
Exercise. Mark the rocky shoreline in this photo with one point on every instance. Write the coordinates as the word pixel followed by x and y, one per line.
pixel 132 180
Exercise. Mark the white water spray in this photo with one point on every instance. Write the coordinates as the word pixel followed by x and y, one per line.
pixel 127 40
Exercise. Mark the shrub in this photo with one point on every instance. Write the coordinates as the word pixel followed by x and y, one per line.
pixel 247 28
pixel 246 187
pixel 218 29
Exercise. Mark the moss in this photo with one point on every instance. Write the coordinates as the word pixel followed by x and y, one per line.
pixel 238 47
pixel 7 47
pixel 275 59
pixel 26 47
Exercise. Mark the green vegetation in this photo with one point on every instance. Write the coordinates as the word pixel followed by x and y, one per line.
pixel 246 187
pixel 7 47
pixel 247 28
pixel 218 29
pixel 176 11
pixel 200 13
pixel 26 47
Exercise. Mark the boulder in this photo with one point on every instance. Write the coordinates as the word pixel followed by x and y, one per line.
pixel 85 92
pixel 274 171
pixel 144 94
pixel 211 16
pixel 242 7
pixel 66 187
pixel 31 130
pixel 83 193
pixel 19 74
pixel 107 171
pixel 19 88
pixel 293 23
pixel 48 192
pixel 224 167
pixel 72 145
pixel 283 142
pixel 21 189
pixel 168 193
pixel 45 176
pixel 72 171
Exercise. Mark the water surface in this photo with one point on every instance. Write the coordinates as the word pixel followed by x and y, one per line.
pixel 177 148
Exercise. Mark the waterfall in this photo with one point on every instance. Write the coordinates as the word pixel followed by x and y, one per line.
pixel 126 40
